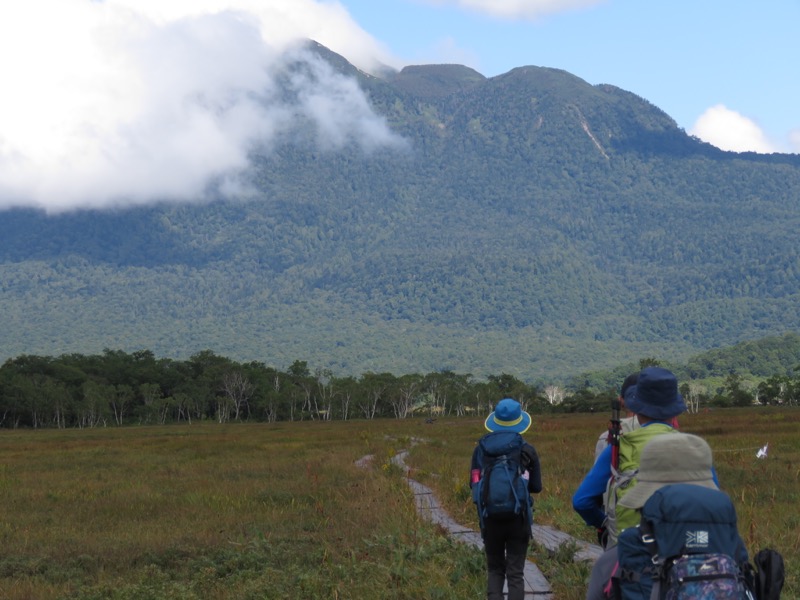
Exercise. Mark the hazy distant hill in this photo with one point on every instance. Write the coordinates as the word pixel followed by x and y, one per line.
pixel 530 223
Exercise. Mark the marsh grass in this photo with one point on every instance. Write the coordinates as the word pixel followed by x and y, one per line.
pixel 218 512
pixel 274 511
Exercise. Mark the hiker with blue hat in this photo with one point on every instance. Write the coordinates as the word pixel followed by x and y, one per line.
pixel 679 462
pixel 505 471
pixel 655 402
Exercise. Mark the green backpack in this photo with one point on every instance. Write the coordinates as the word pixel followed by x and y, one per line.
pixel 623 478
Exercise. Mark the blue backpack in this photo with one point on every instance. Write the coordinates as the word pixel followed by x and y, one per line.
pixel 687 547
pixel 502 491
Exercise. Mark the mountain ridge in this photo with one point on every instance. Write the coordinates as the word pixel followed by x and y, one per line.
pixel 530 223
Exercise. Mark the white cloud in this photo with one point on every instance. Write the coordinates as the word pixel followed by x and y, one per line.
pixel 526 9
pixel 281 22
pixel 336 106
pixel 728 130
pixel 132 101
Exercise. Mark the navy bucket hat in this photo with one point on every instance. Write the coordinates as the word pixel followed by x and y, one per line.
pixel 655 395
pixel 508 416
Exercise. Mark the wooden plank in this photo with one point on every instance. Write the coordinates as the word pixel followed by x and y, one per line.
pixel 549 538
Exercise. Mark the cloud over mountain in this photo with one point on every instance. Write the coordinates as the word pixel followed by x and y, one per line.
pixel 131 102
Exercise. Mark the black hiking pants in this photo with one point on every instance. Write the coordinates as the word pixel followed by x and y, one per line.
pixel 506 545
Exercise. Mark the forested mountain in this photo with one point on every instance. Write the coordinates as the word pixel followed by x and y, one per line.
pixel 529 223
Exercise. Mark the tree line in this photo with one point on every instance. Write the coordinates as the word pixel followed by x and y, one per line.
pixel 116 388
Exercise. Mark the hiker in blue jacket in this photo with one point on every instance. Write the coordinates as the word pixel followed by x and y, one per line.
pixel 655 402
pixel 506 540
pixel 665 460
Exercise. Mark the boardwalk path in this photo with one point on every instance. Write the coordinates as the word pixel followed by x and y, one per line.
pixel 536 586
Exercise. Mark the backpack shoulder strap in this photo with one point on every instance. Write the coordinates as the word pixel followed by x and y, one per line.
pixel 648 537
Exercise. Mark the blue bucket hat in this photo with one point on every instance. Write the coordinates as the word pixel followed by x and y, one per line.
pixel 508 416
pixel 655 395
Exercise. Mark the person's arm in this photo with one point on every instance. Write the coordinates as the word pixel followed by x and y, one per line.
pixel 587 500
pixel 531 462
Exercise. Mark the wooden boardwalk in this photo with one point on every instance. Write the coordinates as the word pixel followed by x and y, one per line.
pixel 536 585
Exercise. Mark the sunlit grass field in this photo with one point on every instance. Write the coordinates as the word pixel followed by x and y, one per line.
pixel 282 511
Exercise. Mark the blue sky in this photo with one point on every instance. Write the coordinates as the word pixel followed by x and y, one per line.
pixel 120 102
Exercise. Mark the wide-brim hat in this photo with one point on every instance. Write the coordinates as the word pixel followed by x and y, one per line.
pixel 655 395
pixel 508 416
pixel 671 458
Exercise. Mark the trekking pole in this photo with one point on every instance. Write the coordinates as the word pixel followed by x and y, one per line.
pixel 614 431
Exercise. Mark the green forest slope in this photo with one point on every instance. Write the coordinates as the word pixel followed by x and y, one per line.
pixel 529 223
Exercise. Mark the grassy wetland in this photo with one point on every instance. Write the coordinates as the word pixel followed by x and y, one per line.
pixel 283 510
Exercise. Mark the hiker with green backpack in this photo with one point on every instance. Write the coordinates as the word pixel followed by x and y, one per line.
pixel 655 402
pixel 504 472
pixel 686 545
